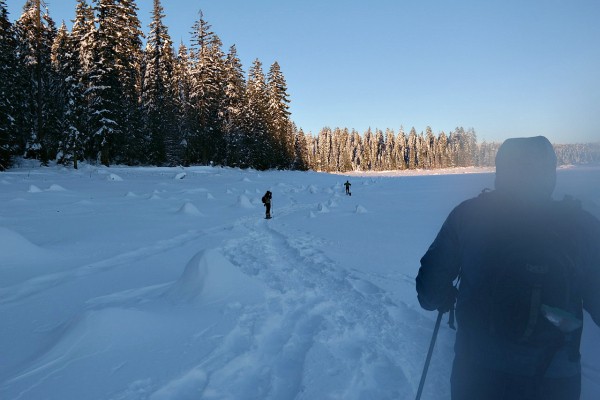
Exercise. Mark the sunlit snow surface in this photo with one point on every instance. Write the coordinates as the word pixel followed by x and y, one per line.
pixel 168 283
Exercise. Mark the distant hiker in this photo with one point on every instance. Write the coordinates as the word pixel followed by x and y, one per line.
pixel 348 184
pixel 266 199
pixel 527 265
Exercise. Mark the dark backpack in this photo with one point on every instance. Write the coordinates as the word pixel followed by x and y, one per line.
pixel 531 278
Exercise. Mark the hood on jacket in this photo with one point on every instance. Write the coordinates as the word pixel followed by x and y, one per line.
pixel 526 168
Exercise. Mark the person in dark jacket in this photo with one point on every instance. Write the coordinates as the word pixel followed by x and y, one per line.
pixel 542 362
pixel 348 184
pixel 266 199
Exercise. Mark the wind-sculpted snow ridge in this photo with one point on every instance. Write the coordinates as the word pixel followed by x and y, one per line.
pixel 17 250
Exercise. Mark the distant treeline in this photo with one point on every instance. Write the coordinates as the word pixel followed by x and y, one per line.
pixel 341 150
pixel 98 93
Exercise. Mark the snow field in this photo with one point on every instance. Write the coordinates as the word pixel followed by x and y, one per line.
pixel 167 283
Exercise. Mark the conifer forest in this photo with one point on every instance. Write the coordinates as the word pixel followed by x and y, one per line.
pixel 104 91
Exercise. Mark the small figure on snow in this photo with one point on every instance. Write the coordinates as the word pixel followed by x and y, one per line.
pixel 528 266
pixel 348 184
pixel 266 199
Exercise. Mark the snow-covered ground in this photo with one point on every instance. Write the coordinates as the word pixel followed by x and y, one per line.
pixel 168 283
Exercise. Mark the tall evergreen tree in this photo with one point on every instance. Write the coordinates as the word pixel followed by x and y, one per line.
pixel 412 149
pixel 105 91
pixel 183 104
pixel 159 94
pixel 84 34
pixel 128 63
pixel 235 110
pixel 256 126
pixel 35 35
pixel 279 117
pixel 8 97
pixel 207 95
pixel 301 158
pixel 69 90
pixel 81 60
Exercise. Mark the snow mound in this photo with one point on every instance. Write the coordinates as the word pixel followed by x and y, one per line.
pixel 190 209
pixel 360 210
pixel 246 180
pixel 229 191
pixel 312 215
pixel 16 248
pixel 332 203
pixel 322 208
pixel 114 178
pixel 180 175
pixel 131 194
pixel 34 189
pixel 56 188
pixel 209 196
pixel 312 189
pixel 209 277
pixel 244 202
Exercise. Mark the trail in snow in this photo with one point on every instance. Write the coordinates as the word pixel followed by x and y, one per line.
pixel 351 337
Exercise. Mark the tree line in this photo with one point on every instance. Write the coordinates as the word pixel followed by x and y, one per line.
pixel 342 150
pixel 98 93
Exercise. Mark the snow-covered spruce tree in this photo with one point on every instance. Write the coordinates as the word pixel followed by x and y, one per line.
pixel 207 96
pixel 378 146
pixel 412 149
pixel 256 124
pixel 8 97
pixel 83 34
pixel 69 90
pixel 185 110
pixel 336 150
pixel 215 114
pixel 35 34
pixel 322 150
pixel 279 118
pixel 356 150
pixel 105 92
pixel 367 151
pixel 428 149
pixel 235 110
pixel 346 148
pixel 301 158
pixel 400 150
pixel 443 158
pixel 128 61
pixel 158 94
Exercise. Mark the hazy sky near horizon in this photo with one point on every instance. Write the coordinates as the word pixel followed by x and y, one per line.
pixel 505 68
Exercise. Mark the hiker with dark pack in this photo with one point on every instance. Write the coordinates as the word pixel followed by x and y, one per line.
pixel 521 267
pixel 348 184
pixel 266 199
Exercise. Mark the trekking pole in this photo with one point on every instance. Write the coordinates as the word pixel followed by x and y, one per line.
pixel 429 353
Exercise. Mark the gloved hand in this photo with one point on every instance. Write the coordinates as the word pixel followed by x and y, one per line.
pixel 448 299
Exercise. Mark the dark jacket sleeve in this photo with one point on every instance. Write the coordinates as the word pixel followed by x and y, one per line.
pixel 440 265
pixel 591 284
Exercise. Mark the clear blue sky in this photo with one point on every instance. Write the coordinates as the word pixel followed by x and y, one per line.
pixel 505 68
